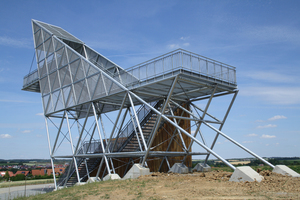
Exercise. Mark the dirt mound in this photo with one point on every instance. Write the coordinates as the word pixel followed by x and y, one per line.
pixel 197 185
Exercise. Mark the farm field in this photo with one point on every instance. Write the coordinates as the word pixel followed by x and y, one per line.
pixel 209 185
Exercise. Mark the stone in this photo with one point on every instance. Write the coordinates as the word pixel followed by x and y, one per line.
pixel 245 173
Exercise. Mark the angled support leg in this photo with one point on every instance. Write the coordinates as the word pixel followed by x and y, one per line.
pixel 173 136
pixel 202 117
pixel 101 140
pixel 106 142
pixel 138 123
pixel 58 133
pixel 239 145
pixel 183 131
pixel 136 134
pixel 154 131
pixel 82 130
pixel 221 126
pixel 115 125
pixel 121 126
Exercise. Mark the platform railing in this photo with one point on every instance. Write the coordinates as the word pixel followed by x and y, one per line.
pixel 164 66
pixel 30 78
pixel 196 65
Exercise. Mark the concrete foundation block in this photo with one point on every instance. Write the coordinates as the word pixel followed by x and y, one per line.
pixel 111 177
pixel 93 179
pixel 136 171
pixel 201 167
pixel 179 168
pixel 245 173
pixel 284 170
pixel 59 188
pixel 81 183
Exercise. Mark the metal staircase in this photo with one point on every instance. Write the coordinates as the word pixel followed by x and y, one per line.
pixel 147 119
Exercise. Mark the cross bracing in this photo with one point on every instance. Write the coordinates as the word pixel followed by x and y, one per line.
pixel 105 118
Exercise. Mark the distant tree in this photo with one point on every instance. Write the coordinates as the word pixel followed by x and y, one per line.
pixel 18 177
pixel 13 170
pixel 6 176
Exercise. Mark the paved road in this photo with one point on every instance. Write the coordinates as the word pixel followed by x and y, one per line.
pixel 19 191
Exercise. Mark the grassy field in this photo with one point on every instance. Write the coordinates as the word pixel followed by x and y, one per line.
pixel 28 182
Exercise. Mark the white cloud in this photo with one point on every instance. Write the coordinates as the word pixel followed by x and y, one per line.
pixel 273 34
pixel 184 38
pixel 40 114
pixel 268 136
pixel 269 76
pixel 268 126
pixel 26 131
pixel 6 41
pixel 251 135
pixel 173 46
pixel 276 117
pixel 274 95
pixel 247 142
pixel 186 44
pixel 259 120
pixel 5 136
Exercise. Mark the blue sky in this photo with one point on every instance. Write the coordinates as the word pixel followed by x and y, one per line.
pixel 260 38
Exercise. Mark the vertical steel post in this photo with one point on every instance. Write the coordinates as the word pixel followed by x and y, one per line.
pixel 51 158
pixel 101 141
pixel 72 147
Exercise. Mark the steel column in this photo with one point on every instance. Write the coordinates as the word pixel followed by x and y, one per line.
pixel 101 141
pixel 51 158
pixel 72 147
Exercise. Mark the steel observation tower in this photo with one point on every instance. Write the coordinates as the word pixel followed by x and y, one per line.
pixel 107 119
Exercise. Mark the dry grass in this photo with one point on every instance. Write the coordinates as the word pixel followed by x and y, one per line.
pixel 211 185
pixel 28 182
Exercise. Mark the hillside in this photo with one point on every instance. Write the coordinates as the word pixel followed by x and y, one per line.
pixel 211 185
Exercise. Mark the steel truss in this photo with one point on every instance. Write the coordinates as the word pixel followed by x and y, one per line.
pixel 104 118
pixel 145 149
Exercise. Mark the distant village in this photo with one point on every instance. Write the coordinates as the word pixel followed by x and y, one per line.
pixel 32 170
